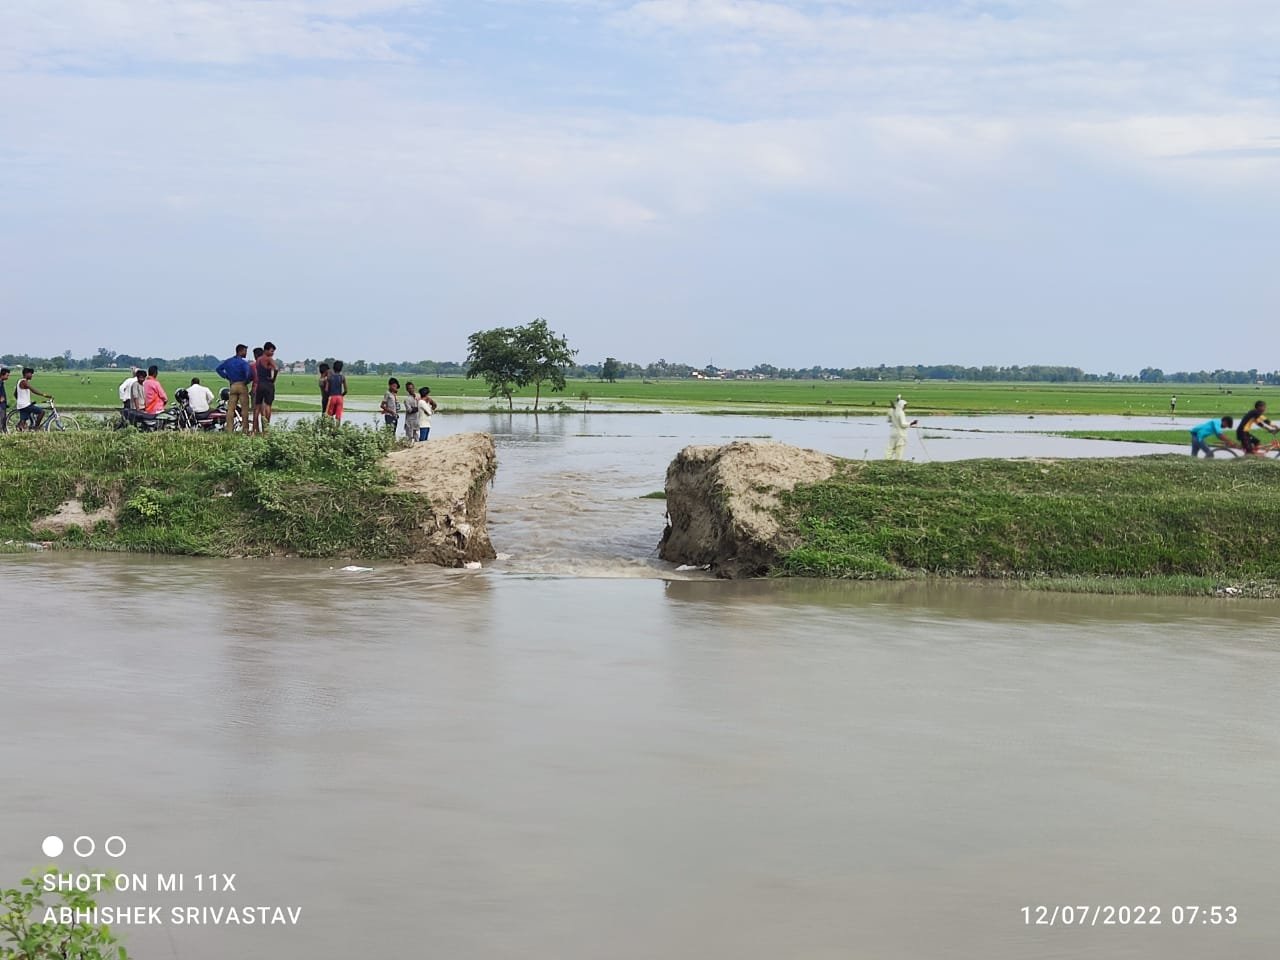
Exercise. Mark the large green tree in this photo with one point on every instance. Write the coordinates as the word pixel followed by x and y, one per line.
pixel 546 355
pixel 611 369
pixel 496 356
pixel 511 357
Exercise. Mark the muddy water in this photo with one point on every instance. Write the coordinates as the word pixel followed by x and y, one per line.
pixel 526 762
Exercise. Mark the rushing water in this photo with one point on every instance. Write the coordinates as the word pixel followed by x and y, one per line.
pixel 523 762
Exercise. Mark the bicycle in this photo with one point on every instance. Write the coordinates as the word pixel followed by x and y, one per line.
pixel 53 420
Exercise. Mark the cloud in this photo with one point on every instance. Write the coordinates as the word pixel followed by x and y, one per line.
pixel 110 34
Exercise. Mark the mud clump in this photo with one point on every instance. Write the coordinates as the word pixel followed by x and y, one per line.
pixel 453 474
pixel 722 503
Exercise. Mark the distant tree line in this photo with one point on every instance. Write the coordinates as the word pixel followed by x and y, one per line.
pixel 612 369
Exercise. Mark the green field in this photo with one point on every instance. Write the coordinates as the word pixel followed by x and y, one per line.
pixel 97 390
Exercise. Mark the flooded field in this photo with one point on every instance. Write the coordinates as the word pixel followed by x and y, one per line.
pixel 566 755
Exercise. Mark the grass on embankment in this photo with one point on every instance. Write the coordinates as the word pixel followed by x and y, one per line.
pixel 1141 518
pixel 313 490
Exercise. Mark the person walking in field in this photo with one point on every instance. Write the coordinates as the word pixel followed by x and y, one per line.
pixel 1173 405
pixel 337 391
pixel 898 425
pixel 411 412
pixel 237 372
pixel 1210 428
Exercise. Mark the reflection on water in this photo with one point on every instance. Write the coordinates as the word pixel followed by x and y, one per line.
pixel 455 764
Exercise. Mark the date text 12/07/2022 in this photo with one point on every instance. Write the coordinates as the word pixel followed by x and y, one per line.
pixel 1124 915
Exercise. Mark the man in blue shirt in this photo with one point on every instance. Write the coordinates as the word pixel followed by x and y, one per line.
pixel 237 372
pixel 1210 428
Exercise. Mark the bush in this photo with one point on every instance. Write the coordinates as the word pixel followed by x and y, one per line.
pixel 23 937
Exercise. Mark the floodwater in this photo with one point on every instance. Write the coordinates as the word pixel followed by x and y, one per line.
pixel 567 756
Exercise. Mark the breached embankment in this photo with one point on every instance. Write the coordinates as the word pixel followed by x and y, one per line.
pixel 313 490
pixel 754 509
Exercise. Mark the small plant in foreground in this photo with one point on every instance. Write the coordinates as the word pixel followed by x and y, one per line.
pixel 30 927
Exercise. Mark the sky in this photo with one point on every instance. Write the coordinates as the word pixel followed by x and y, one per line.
pixel 837 182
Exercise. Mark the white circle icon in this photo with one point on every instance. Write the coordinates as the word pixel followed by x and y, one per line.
pixel 120 844
pixel 52 846
pixel 84 853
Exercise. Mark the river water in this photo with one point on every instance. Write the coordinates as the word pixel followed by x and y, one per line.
pixel 576 753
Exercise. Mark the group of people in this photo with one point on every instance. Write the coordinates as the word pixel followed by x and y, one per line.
pixel 1244 438
pixel 417 407
pixel 143 396
pixel 30 414
pixel 251 390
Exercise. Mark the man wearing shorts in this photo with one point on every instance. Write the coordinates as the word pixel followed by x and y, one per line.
pixel 29 415
pixel 1255 417
pixel 264 387
pixel 337 391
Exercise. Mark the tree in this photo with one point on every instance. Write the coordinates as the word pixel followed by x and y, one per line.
pixel 545 357
pixel 611 369
pixel 496 356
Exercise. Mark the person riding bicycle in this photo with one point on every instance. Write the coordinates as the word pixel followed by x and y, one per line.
pixel 29 414
pixel 1255 417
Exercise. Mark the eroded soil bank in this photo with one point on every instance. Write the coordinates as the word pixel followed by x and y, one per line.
pixel 314 490
pixel 752 509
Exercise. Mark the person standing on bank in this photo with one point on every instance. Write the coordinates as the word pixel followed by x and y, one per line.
pixel 324 388
pixel 410 412
pixel 126 388
pixel 426 406
pixel 898 425
pixel 237 372
pixel 4 401
pixel 264 386
pixel 337 392
pixel 390 405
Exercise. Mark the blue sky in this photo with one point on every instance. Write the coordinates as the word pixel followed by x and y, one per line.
pixel 840 182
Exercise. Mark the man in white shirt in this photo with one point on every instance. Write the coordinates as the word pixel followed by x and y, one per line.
pixel 200 397
pixel 127 386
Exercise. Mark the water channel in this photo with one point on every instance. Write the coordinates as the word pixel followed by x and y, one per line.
pixel 579 753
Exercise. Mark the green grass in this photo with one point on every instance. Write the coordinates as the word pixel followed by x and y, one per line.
pixel 1179 437
pixel 1142 517
pixel 98 390
pixel 314 490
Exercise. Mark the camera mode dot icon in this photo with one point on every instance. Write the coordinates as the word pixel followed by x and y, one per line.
pixel 52 846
